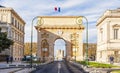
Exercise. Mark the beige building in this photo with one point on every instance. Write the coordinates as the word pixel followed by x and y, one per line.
pixel 59 54
pixel 68 28
pixel 108 36
pixel 13 24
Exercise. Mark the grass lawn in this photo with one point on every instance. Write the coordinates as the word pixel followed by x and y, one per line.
pixel 98 65
pixel 116 71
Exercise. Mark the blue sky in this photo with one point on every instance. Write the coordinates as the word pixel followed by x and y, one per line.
pixel 92 9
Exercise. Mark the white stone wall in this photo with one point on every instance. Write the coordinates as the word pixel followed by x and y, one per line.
pixel 109 45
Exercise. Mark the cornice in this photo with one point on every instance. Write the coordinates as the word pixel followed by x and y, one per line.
pixel 109 14
pixel 106 18
pixel 60 27
pixel 12 10
pixel 18 16
pixel 59 16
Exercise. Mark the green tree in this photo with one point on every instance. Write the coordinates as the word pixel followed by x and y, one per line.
pixel 4 41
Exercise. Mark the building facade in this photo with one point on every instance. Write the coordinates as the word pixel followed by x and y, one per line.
pixel 59 54
pixel 13 24
pixel 108 36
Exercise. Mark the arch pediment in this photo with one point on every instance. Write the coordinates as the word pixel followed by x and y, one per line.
pixel 58 22
pixel 60 27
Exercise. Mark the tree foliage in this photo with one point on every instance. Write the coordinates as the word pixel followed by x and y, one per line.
pixel 27 50
pixel 4 41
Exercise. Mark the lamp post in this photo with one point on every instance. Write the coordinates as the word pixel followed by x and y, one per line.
pixel 86 50
pixel 32 40
pixel 79 21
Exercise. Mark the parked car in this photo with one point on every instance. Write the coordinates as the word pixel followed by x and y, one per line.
pixel 28 58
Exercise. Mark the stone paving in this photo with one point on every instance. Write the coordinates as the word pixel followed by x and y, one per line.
pixel 8 70
pixel 25 70
pixel 13 67
pixel 5 68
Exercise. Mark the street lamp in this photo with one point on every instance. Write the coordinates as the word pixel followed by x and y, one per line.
pixel 32 40
pixel 79 21
pixel 86 39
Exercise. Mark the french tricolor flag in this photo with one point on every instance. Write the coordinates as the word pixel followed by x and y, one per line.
pixel 57 9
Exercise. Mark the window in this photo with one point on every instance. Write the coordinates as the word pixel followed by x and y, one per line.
pixel 115 33
pixel 19 26
pixel 12 20
pixel 15 23
pixel 101 34
pixel 4 18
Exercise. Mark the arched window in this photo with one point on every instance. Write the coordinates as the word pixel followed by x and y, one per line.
pixel 45 48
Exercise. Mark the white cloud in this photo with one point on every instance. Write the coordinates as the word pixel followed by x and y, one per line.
pixel 28 9
pixel 71 3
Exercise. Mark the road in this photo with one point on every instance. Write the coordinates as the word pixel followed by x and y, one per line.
pixel 57 67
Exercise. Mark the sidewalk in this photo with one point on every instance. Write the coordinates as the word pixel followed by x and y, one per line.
pixel 117 64
pixel 5 65
pixel 26 70
pixel 6 68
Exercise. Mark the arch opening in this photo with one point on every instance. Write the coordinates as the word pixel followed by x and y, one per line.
pixel 59 49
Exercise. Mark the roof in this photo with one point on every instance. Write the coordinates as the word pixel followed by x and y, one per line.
pixel 2 6
pixel 58 22
pixel 109 14
pixel 12 10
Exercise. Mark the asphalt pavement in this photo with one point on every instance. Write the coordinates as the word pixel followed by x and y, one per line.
pixel 59 67
pixel 54 67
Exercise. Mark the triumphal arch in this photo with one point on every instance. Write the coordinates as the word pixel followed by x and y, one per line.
pixel 51 28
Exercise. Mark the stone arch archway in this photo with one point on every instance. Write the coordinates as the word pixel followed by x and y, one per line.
pixel 59 49
pixel 64 27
